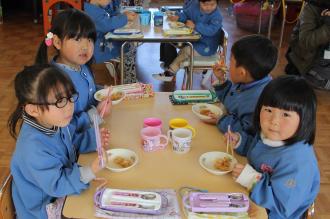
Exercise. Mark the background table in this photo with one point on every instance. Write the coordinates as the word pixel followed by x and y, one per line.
pixel 160 169
pixel 154 34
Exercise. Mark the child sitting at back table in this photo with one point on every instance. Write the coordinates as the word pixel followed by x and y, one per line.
pixel 203 16
pixel 167 51
pixel 73 35
pixel 282 174
pixel 252 59
pixel 107 17
pixel 44 164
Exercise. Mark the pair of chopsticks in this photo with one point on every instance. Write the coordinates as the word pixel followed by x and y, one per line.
pixel 229 143
pixel 106 104
pixel 98 142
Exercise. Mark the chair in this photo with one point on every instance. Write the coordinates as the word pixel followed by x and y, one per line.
pixel 205 63
pixel 309 214
pixel 48 10
pixel 7 210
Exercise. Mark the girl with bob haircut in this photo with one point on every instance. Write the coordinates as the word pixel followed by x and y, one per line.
pixel 44 164
pixel 282 173
pixel 73 34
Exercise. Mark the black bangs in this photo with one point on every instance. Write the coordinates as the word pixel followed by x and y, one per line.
pixel 72 23
pixel 53 80
pixel 282 96
pixel 79 25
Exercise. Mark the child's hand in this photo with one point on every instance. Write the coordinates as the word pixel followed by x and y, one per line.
pixel 107 103
pixel 173 17
pixel 238 168
pixel 190 24
pixel 105 137
pixel 234 138
pixel 219 70
pixel 95 166
pixel 214 118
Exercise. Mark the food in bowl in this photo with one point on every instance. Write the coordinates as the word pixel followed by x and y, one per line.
pixel 222 164
pixel 100 96
pixel 205 112
pixel 117 95
pixel 123 162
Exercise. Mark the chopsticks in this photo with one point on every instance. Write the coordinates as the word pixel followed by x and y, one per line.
pixel 98 142
pixel 229 143
pixel 106 103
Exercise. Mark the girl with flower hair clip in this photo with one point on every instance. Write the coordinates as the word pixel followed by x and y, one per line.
pixel 282 173
pixel 73 34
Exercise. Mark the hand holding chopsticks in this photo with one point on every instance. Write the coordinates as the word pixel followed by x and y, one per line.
pixel 232 140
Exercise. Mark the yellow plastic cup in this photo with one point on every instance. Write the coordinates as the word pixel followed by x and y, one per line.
pixel 181 123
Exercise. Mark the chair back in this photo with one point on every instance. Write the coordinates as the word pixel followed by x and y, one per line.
pixel 7 210
pixel 204 63
pixel 309 213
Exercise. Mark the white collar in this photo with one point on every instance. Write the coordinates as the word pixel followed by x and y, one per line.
pixel 271 143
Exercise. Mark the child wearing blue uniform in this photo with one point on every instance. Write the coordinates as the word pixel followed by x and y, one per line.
pixel 106 16
pixel 282 173
pixel 167 50
pixel 204 17
pixel 44 164
pixel 252 59
pixel 73 35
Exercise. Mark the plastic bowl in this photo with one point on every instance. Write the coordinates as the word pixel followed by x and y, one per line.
pixel 208 160
pixel 200 107
pixel 121 159
pixel 118 94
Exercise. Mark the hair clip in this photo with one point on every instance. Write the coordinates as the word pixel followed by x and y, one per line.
pixel 49 39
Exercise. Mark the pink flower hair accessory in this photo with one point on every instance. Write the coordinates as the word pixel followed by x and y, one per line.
pixel 49 39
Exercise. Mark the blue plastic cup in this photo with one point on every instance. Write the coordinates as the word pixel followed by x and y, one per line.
pixel 145 18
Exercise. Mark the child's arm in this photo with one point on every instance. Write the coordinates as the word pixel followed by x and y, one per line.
pixel 211 28
pixel 104 22
pixel 239 123
pixel 287 187
pixel 183 17
pixel 54 172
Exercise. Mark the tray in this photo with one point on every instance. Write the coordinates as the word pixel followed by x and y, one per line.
pixel 130 201
pixel 216 202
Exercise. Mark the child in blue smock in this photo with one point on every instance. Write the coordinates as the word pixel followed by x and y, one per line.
pixel 73 35
pixel 106 21
pixel 282 173
pixel 167 51
pixel 204 17
pixel 44 164
pixel 252 59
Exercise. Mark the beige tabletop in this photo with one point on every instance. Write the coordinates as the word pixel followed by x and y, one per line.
pixel 163 169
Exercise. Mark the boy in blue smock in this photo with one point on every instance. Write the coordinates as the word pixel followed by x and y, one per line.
pixel 252 59
pixel 204 17
pixel 167 51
